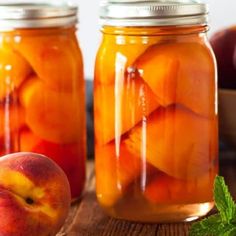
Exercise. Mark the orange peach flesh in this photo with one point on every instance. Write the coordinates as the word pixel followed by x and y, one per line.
pixel 180 73
pixel 119 109
pixel 164 189
pixel 47 111
pixel 179 77
pixel 55 59
pixel 14 69
pixel 118 54
pixel 119 168
pixel 181 152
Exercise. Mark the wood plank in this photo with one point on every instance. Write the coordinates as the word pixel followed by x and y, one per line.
pixel 91 220
pixel 86 218
pixel 89 187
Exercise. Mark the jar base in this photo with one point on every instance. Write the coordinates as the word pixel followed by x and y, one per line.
pixel 161 213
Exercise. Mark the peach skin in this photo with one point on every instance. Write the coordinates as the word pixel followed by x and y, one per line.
pixel 70 157
pixel 32 202
pixel 178 142
pixel 119 109
pixel 180 73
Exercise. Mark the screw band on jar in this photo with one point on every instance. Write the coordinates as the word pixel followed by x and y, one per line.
pixel 152 13
pixel 15 16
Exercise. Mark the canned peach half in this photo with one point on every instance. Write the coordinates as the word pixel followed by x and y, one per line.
pixel 14 69
pixel 120 108
pixel 164 189
pixel 178 142
pixel 118 168
pixel 55 59
pixel 118 54
pixel 180 73
pixel 51 115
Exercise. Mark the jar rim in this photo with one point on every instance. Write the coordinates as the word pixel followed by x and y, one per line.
pixel 36 15
pixel 153 13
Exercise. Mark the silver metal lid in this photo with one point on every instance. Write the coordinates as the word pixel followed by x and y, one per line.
pixel 153 12
pixel 27 15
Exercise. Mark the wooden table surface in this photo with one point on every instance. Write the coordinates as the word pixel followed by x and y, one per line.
pixel 86 218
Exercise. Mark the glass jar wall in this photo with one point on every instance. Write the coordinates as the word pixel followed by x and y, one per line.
pixel 42 87
pixel 156 122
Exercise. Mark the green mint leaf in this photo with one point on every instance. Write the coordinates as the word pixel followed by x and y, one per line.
pixel 209 226
pixel 223 223
pixel 227 230
pixel 232 232
pixel 212 226
pixel 223 200
pixel 233 221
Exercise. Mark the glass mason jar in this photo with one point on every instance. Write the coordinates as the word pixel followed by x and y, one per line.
pixel 156 123
pixel 42 86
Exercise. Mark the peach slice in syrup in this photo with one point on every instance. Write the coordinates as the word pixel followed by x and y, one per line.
pixel 177 142
pixel 56 60
pixel 116 54
pixel 120 107
pixel 12 118
pixel 180 73
pixel 54 116
pixel 117 169
pixel 28 140
pixel 14 69
pixel 164 189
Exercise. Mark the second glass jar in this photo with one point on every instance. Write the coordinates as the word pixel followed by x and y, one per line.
pixel 156 122
pixel 42 89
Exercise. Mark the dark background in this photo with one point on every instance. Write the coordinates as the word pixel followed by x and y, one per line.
pixel 89 116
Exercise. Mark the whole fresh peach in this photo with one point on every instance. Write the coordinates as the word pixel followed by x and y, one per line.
pixel 224 45
pixel 34 195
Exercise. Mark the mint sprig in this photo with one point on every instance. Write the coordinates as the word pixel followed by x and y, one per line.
pixel 222 223
pixel 224 201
